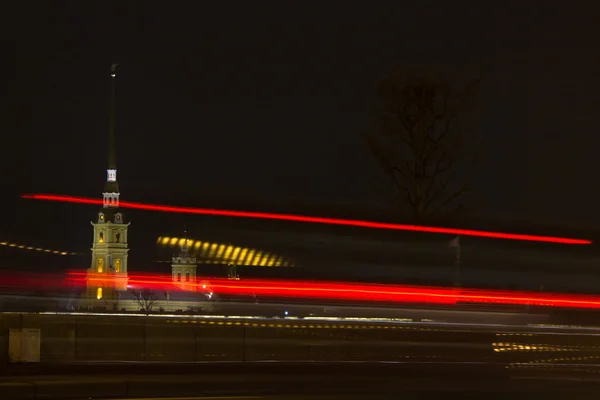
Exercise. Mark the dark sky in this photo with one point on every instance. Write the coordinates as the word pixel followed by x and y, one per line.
pixel 265 101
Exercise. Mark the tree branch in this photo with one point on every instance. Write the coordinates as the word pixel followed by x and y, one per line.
pixel 421 148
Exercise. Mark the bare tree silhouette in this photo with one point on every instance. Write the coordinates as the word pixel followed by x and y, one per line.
pixel 145 299
pixel 421 144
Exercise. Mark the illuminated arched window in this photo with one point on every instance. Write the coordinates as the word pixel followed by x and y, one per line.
pixel 101 237
pixel 99 293
pixel 100 265
pixel 117 238
pixel 117 265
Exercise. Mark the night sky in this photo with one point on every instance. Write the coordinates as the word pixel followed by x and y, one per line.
pixel 263 103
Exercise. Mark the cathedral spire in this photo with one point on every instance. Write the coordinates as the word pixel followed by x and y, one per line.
pixel 111 188
pixel 112 151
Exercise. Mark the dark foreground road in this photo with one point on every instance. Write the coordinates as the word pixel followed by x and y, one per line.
pixel 302 380
pixel 428 358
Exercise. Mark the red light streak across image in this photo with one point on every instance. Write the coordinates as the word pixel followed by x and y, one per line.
pixel 353 291
pixel 315 220
pixel 341 291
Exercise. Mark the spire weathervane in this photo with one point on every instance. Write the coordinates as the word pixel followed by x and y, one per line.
pixel 113 69
pixel 184 245
pixel 112 153
pixel 111 188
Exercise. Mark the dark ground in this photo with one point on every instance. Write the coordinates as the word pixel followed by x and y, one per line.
pixel 287 379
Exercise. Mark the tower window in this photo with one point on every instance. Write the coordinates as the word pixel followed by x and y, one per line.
pixel 100 265
pixel 101 237
pixel 178 277
pixel 118 238
pixel 117 266
pixel 187 276
pixel 99 293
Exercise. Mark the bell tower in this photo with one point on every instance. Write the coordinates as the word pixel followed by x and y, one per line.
pixel 107 274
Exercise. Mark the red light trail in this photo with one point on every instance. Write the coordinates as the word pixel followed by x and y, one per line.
pixel 341 291
pixel 354 291
pixel 315 220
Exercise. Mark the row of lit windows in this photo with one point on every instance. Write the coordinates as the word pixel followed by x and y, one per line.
pixel 101 237
pixel 100 265
pixel 227 253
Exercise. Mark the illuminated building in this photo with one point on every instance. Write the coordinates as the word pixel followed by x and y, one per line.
pixel 107 273
pixel 184 267
pixel 206 252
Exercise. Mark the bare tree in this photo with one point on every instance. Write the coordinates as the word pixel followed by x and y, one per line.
pixel 422 145
pixel 145 299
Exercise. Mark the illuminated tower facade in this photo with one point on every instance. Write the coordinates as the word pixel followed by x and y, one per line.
pixel 184 267
pixel 108 271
